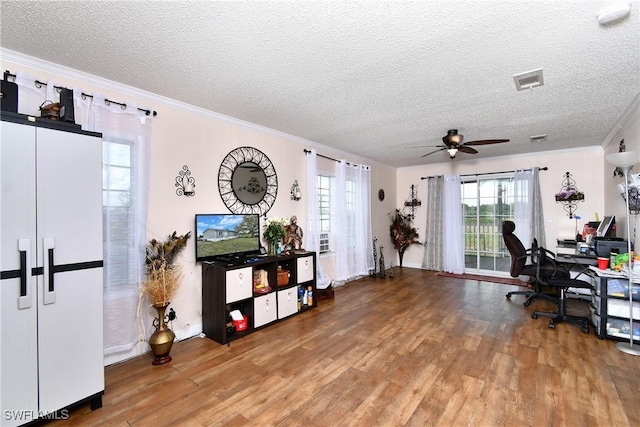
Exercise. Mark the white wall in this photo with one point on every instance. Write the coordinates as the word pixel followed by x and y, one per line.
pixel 585 165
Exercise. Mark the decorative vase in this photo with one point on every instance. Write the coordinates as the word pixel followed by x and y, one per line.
pixel 272 248
pixel 161 340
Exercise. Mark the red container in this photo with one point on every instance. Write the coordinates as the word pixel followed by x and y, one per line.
pixel 241 325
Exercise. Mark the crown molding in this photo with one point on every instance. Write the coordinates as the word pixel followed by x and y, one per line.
pixel 622 120
pixel 54 69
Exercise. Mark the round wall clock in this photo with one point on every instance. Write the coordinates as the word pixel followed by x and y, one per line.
pixel 381 194
pixel 247 181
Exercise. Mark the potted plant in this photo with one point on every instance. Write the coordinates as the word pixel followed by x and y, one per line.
pixel 403 233
pixel 274 232
pixel 163 280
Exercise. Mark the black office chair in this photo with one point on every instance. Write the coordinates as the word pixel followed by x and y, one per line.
pixel 562 284
pixel 538 268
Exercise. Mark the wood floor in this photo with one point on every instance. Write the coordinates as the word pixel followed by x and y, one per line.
pixel 415 350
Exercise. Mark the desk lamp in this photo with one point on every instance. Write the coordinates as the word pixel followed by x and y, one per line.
pixel 625 161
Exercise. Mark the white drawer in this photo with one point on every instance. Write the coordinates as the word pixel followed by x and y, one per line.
pixel 239 284
pixel 264 309
pixel 620 308
pixel 287 302
pixel 305 269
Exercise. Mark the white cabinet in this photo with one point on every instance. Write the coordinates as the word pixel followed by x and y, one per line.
pixel 51 283
pixel 264 310
pixel 287 302
pixel 610 308
pixel 239 284
pixel 305 269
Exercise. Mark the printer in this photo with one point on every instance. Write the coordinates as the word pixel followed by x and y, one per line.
pixel 603 246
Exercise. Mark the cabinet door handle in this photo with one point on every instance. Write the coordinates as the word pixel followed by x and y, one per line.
pixel 48 245
pixel 24 247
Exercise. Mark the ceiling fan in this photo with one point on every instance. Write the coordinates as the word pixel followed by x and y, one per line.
pixel 453 144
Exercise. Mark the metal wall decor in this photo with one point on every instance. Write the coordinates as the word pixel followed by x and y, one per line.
pixel 295 191
pixel 247 181
pixel 569 195
pixel 185 182
pixel 413 201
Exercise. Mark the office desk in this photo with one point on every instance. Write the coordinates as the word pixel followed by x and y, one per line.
pixel 570 257
pixel 578 265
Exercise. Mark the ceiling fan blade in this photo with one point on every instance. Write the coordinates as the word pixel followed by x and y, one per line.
pixel 467 150
pixel 425 146
pixel 486 142
pixel 439 149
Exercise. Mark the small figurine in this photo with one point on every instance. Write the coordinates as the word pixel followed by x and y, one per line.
pixel 382 274
pixel 375 257
pixel 293 235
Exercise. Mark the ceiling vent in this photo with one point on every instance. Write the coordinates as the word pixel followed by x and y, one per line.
pixel 538 138
pixel 529 80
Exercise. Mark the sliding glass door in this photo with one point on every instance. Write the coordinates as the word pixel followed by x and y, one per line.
pixel 486 202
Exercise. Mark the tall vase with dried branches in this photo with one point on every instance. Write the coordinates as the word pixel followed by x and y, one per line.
pixel 163 280
pixel 402 232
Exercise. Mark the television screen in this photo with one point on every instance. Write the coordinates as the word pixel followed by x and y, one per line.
pixel 226 235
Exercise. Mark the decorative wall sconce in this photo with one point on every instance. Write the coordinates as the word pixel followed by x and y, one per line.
pixel 295 191
pixel 185 182
pixel 569 195
pixel 413 201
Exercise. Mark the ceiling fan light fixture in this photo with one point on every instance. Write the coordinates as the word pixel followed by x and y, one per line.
pixel 452 152
pixel 613 12
pixel 529 80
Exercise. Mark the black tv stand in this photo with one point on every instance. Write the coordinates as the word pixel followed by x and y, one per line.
pixel 229 288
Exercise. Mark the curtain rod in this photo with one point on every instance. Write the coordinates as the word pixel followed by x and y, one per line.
pixel 38 84
pixel 329 158
pixel 483 174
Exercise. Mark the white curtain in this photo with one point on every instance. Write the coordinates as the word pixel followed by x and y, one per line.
pixel 126 136
pixel 537 213
pixel 126 144
pixel 312 235
pixel 453 239
pixel 527 207
pixel 351 224
pixel 433 253
pixel 522 191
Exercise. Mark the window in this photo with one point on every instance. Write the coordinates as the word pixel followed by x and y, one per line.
pixel 118 215
pixel 486 202
pixel 350 196
pixel 324 202
pixel 324 212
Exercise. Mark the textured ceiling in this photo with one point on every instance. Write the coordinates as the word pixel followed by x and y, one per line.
pixel 370 78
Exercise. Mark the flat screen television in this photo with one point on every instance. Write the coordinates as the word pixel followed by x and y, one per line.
pixel 227 236
pixel 606 226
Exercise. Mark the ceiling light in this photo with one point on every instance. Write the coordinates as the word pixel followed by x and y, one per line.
pixel 452 152
pixel 538 138
pixel 614 12
pixel 529 80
